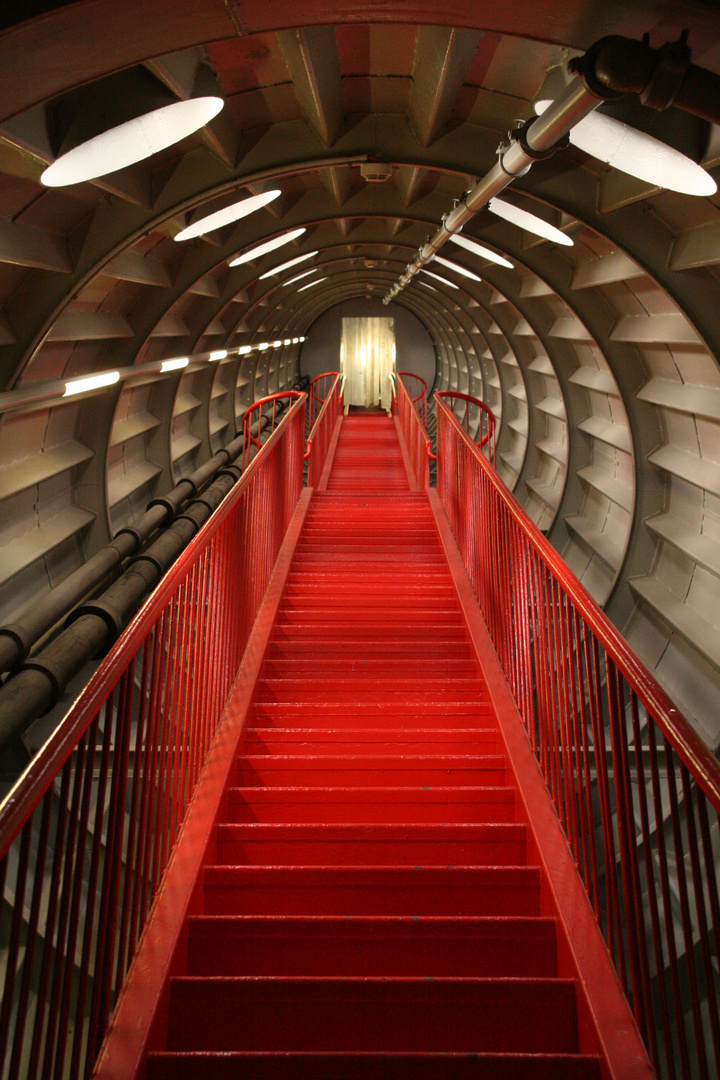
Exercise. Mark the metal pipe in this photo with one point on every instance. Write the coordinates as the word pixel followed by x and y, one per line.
pixel 540 136
pixel 94 627
pixel 612 67
pixel 19 637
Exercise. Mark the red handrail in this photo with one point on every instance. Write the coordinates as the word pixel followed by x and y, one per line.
pixel 486 418
pixel 417 389
pixel 318 391
pixel 277 404
pixel 318 442
pixel 88 829
pixel 410 411
pixel 635 788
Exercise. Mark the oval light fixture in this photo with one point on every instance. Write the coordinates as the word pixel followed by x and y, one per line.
pixel 528 221
pixel 481 250
pixel 287 265
pixel 457 268
pixel 229 214
pixel 131 142
pixel 299 277
pixel 219 354
pixel 269 245
pixel 637 154
pixel 310 284
pixel 450 284
pixel 175 365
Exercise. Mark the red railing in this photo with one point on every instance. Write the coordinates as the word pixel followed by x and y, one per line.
pixel 261 418
pixel 636 790
pixel 417 391
pixel 87 831
pixel 480 428
pixel 411 409
pixel 318 391
pixel 322 429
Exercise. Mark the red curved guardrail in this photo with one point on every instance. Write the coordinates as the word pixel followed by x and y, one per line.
pixel 410 406
pixel 485 435
pixel 637 791
pixel 321 432
pixel 318 391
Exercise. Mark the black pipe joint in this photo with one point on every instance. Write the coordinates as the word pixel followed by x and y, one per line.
pixel 174 499
pixel 21 639
pixel 615 65
pixel 233 471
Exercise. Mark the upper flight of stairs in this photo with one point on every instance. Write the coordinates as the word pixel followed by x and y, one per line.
pixel 371 912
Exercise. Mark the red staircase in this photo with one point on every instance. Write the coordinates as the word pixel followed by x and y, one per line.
pixel 371 911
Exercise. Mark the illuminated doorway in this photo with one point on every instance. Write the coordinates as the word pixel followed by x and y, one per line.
pixel 367 358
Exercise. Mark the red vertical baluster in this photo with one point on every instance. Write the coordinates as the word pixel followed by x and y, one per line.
pixel 13 948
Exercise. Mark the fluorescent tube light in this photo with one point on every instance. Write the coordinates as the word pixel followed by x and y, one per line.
pixel 427 285
pixel 287 265
pixel 458 269
pixel 268 245
pixel 174 365
pixel 528 221
pixel 229 214
pixel 263 346
pixel 219 355
pixel 637 154
pixel 244 350
pixel 479 249
pixel 92 382
pixel 450 284
pixel 131 142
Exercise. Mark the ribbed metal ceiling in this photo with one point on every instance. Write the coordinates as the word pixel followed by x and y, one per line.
pixel 599 359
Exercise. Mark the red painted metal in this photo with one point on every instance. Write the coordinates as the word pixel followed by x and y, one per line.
pixel 598 721
pixel 261 418
pixel 325 410
pixel 318 391
pixel 87 831
pixel 367 887
pixel 410 406
pixel 480 428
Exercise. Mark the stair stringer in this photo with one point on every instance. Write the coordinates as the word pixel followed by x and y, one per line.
pixel 605 1021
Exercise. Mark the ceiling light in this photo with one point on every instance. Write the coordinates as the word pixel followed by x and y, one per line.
pixel 287 341
pixel 219 355
pixel 638 154
pixel 229 214
pixel 479 249
pixel 287 265
pixel 269 245
pixel 244 350
pixel 295 340
pixel 131 142
pixel 92 382
pixel 301 276
pixel 450 284
pixel 428 285
pixel 456 268
pixel 310 285
pixel 277 344
pixel 173 365
pixel 528 221
pixel 263 346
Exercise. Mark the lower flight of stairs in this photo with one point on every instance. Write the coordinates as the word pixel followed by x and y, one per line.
pixel 371 912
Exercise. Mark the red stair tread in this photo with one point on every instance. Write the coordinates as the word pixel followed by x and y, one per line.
pixel 351 1013
pixel 372 1066
pixel 431 946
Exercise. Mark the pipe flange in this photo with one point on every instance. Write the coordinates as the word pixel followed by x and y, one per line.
pixel 586 67
pixel 103 610
pixel 54 675
pixel 520 135
pixel 230 470
pixel 22 639
pixel 673 60
pixel 130 530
